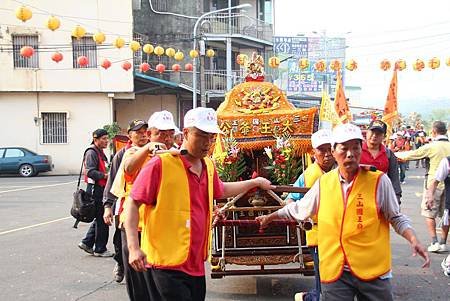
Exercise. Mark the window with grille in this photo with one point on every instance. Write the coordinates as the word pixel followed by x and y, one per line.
pixel 20 41
pixel 84 47
pixel 54 128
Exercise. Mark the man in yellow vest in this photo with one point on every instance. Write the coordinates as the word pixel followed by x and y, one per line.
pixel 137 134
pixel 161 128
pixel 178 192
pixel 324 162
pixel 354 208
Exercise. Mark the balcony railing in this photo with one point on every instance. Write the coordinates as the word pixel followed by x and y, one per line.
pixel 216 80
pixel 238 24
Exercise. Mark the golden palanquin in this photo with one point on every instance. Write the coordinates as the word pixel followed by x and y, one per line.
pixel 255 113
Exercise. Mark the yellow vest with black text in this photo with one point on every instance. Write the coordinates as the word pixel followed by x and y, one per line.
pixel 353 232
pixel 310 175
pixel 166 235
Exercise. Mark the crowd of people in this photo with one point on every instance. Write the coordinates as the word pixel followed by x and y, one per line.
pixel 161 186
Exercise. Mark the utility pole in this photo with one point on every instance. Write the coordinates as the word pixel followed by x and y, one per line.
pixel 202 73
pixel 194 61
pixel 229 51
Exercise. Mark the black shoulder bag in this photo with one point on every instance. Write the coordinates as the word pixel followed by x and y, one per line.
pixel 83 206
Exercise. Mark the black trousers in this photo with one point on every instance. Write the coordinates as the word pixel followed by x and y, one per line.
pixel 117 242
pixel 97 234
pixel 170 285
pixel 135 281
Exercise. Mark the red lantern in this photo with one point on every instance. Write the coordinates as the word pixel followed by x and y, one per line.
pixel 418 65
pixel 82 61
pixel 385 65
pixel 160 68
pixel 335 65
pixel 26 51
pixel 320 65
pixel 126 65
pixel 144 67
pixel 188 67
pixel 176 68
pixel 106 64
pixel 57 57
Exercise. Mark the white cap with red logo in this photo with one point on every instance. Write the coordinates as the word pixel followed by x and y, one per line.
pixel 321 137
pixel 162 121
pixel 346 132
pixel 204 119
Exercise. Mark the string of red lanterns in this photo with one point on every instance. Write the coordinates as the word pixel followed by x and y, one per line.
pixel 24 14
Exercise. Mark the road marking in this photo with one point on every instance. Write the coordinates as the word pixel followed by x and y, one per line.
pixel 34 187
pixel 36 225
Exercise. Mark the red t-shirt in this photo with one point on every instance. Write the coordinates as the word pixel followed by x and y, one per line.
pixel 381 161
pixel 145 191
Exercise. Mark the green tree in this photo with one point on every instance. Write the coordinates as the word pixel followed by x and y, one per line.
pixel 112 129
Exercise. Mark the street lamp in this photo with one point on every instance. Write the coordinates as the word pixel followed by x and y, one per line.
pixel 194 63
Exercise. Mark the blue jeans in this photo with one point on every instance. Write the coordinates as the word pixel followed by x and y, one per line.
pixel 402 166
pixel 98 233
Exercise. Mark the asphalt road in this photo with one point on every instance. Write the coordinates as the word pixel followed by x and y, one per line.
pixel 40 260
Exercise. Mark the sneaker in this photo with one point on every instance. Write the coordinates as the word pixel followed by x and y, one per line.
pixel 434 247
pixel 403 182
pixel 104 254
pixel 445 265
pixel 299 296
pixel 85 248
pixel 118 273
pixel 442 248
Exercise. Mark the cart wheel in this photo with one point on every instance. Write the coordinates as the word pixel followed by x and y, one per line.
pixel 222 264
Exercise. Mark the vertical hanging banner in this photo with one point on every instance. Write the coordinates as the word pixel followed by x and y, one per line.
pixel 340 102
pixel 390 113
pixel 327 116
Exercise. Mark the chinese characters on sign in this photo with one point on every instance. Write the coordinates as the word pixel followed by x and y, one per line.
pixel 290 124
pixel 314 49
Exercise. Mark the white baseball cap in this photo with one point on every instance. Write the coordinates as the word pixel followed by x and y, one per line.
pixel 346 132
pixel 321 137
pixel 162 121
pixel 204 119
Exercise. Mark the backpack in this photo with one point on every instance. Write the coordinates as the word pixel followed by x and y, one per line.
pixel 83 204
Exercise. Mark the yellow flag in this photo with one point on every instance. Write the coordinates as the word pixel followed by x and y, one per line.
pixel 219 154
pixel 327 112
pixel 340 102
pixel 390 113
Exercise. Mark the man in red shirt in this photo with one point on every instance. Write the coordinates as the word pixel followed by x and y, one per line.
pixel 374 153
pixel 178 192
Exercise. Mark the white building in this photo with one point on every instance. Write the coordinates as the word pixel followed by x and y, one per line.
pixel 52 108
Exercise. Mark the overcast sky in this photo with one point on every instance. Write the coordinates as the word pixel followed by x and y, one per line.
pixel 375 30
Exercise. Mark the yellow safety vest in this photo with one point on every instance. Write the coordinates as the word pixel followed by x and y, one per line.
pixel 352 231
pixel 310 175
pixel 166 235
